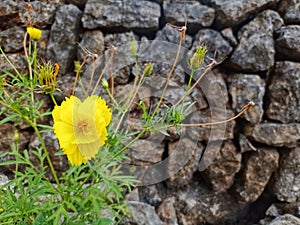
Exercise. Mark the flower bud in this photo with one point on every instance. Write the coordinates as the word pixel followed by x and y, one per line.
pixel 198 58
pixel 34 33
pixel 148 70
pixel 105 84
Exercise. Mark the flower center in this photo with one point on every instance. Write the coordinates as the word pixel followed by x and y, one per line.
pixel 82 125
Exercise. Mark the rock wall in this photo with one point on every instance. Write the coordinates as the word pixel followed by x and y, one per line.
pixel 256 171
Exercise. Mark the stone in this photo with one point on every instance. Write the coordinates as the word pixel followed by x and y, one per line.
pixel 274 134
pixel 258 170
pixel 118 15
pixel 231 13
pixel 229 36
pixel 60 163
pixel 278 209
pixel 198 205
pixel 286 219
pixel 79 3
pixel 212 132
pixel 166 211
pixel 283 93
pixel 122 58
pixel 18 60
pixel 10 13
pixel 92 42
pixel 256 49
pixel 39 14
pixel 11 39
pixel 244 88
pixel 150 194
pixel 184 156
pixel 286 185
pixel 291 12
pixel 218 48
pixel 145 152
pixel 172 35
pixel 222 171
pixel 287 44
pixel 64 37
pixel 192 13
pixel 245 144
pixel 142 214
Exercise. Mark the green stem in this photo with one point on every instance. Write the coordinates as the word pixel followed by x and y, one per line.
pixel 9 62
pixel 129 144
pixel 187 89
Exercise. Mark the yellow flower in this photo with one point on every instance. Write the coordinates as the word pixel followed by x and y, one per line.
pixel 34 33
pixel 81 127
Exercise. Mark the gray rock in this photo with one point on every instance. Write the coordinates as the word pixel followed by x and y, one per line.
pixel 11 40
pixel 10 13
pixel 64 36
pixel 79 3
pixel 286 219
pixel 41 13
pixel 222 171
pixel 283 93
pixel 195 14
pixel 287 180
pixel 18 60
pixel 278 209
pixel 142 214
pixel 292 12
pixel 198 205
pixel 92 41
pixel 218 48
pixel 146 152
pixel 244 88
pixel 256 50
pixel 257 173
pixel 172 35
pixel 166 211
pixel 274 134
pixel 115 14
pixel 287 44
pixel 151 194
pixel 245 144
pixel 184 156
pixel 229 36
pixel 231 13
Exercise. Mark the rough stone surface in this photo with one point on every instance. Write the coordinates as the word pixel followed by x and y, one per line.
pixel 114 14
pixel 64 36
pixel 287 179
pixel 142 214
pixel 256 50
pixel 229 36
pixel 286 219
pixel 184 156
pixel 273 134
pixel 197 205
pixel 278 209
pixel 172 35
pixel 230 13
pixel 195 14
pixel 245 144
pixel 244 88
pixel 287 44
pixel 145 152
pixel 292 12
pixel 283 93
pixel 166 212
pixel 257 173
pixel 12 39
pixel 222 171
pixel 218 47
pixel 93 42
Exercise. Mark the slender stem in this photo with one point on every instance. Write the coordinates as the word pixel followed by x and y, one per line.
pixel 243 110
pixel 129 144
pixel 9 62
pixel 170 73
pixel 187 89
